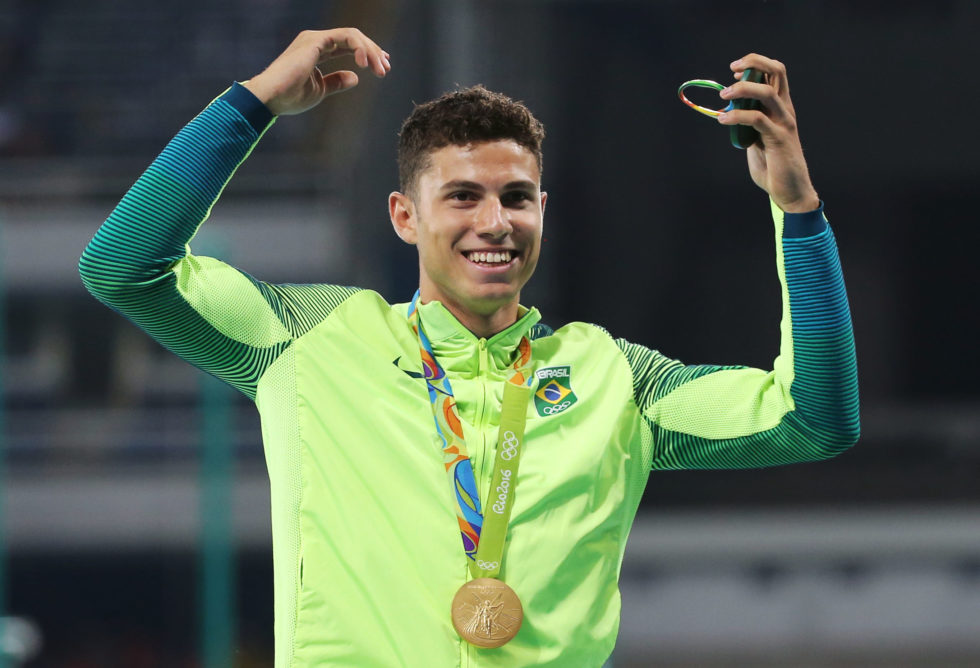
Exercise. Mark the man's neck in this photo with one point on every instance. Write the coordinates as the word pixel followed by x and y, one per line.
pixel 486 326
pixel 482 326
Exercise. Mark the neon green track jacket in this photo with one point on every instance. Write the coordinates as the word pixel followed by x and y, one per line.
pixel 367 550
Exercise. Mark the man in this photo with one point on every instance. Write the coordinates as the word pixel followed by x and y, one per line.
pixel 404 532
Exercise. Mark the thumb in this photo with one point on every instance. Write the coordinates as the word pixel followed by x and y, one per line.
pixel 338 82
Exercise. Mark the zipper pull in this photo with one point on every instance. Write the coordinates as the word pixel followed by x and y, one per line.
pixel 482 346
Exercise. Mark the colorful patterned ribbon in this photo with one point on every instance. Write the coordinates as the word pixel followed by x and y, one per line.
pixel 456 458
pixel 702 83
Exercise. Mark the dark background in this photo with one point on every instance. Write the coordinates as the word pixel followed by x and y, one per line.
pixel 654 230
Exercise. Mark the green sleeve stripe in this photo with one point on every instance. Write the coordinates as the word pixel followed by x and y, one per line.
pixel 158 309
pixel 212 315
pixel 679 375
pixel 302 307
pixel 734 417
pixel 794 440
pixel 826 386
pixel 650 368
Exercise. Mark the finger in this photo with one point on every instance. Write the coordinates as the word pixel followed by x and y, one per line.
pixel 380 63
pixel 772 133
pixel 775 70
pixel 347 42
pixel 336 51
pixel 371 56
pixel 338 82
pixel 753 117
pixel 758 62
pixel 378 59
pixel 764 93
pixel 360 57
pixel 364 57
pixel 337 45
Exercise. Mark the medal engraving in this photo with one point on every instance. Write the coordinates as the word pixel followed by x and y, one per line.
pixel 487 613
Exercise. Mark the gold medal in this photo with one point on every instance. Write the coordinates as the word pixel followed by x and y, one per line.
pixel 487 613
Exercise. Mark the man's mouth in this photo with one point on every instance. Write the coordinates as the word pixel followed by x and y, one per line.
pixel 490 258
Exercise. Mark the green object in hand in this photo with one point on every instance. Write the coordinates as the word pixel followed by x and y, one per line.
pixel 743 136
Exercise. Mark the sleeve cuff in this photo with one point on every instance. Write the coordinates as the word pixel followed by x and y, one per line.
pixel 808 224
pixel 249 106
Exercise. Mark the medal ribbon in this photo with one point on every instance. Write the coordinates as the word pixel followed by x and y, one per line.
pixel 483 541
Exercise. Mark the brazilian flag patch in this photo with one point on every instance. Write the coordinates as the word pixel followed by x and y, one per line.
pixel 554 393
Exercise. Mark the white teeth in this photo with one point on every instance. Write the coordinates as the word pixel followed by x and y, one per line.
pixel 492 258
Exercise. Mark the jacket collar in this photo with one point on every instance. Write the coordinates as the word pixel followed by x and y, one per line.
pixel 458 348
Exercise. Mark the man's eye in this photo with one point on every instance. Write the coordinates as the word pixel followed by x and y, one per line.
pixel 516 198
pixel 462 196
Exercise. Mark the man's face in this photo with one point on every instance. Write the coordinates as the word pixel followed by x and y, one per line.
pixel 477 219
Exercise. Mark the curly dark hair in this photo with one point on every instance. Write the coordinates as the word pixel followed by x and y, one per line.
pixel 458 118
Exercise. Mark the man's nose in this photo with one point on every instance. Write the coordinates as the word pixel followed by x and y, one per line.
pixel 494 220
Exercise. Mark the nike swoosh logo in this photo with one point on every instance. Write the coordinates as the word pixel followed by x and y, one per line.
pixel 411 374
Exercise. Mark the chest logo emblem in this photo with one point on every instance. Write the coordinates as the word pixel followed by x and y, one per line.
pixel 554 393
pixel 409 372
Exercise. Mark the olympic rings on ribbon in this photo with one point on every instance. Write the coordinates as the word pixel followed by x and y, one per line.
pixel 702 83
pixel 487 565
pixel 510 445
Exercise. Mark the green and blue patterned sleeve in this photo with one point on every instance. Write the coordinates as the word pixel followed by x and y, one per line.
pixel 139 262
pixel 805 409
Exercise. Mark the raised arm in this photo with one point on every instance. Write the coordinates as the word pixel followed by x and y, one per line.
pixel 806 408
pixel 139 262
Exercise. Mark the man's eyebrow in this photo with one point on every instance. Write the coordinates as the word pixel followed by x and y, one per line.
pixel 530 186
pixel 462 185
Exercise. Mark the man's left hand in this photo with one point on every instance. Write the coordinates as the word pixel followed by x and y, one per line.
pixel 776 160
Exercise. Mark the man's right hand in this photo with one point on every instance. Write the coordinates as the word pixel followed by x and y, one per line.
pixel 294 83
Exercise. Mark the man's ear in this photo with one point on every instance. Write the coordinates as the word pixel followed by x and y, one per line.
pixel 544 200
pixel 401 209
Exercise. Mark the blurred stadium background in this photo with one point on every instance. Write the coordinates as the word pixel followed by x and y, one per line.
pixel 114 516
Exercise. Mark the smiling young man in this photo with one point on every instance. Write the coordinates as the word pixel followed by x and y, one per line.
pixel 472 204
pixel 453 483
